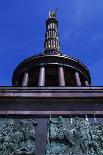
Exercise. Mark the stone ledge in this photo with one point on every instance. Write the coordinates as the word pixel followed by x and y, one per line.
pixel 51 92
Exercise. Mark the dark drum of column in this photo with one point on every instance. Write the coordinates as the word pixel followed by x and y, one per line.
pixel 86 83
pixel 77 79
pixel 41 81
pixel 61 76
pixel 25 79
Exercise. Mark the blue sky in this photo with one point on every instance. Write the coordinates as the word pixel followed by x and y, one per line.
pixel 22 28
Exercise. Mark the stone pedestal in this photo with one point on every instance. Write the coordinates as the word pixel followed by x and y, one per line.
pixel 31 112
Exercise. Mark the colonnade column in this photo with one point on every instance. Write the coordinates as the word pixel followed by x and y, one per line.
pixel 25 79
pixel 77 79
pixel 41 81
pixel 61 76
pixel 86 83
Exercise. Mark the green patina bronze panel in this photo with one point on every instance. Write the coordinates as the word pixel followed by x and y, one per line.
pixel 74 136
pixel 17 136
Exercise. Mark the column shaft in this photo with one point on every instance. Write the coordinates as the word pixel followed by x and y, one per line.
pixel 77 79
pixel 25 79
pixel 61 76
pixel 41 81
pixel 86 83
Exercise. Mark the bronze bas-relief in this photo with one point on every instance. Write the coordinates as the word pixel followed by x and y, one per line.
pixel 74 136
pixel 17 136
